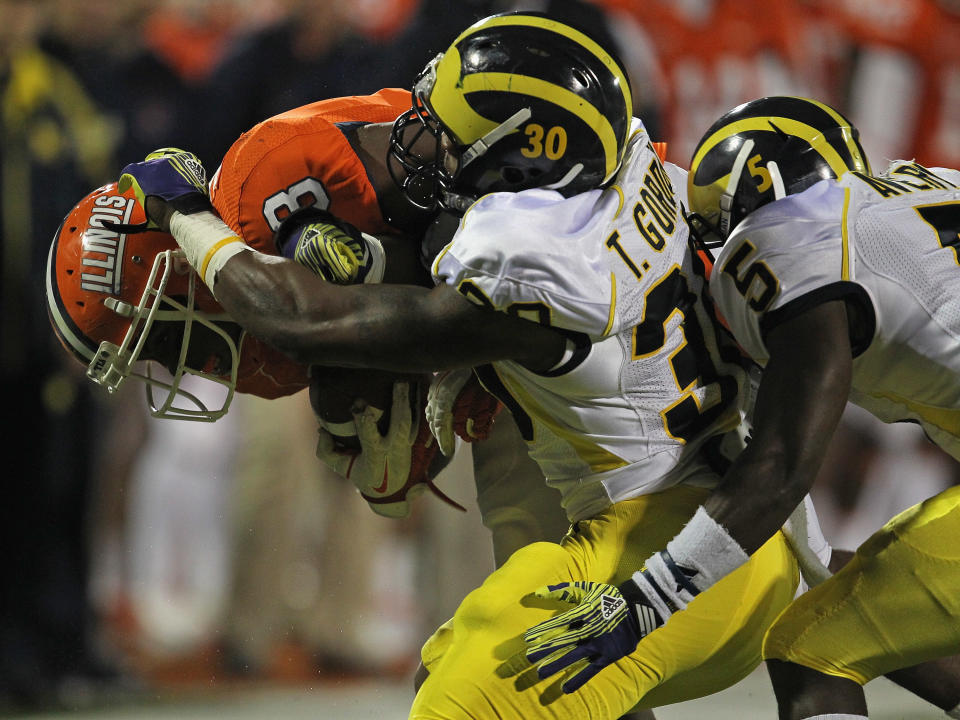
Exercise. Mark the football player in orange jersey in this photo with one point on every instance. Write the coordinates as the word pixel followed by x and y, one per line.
pixel 326 156
pixel 331 156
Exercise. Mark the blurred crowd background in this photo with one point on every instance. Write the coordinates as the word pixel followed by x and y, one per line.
pixel 144 555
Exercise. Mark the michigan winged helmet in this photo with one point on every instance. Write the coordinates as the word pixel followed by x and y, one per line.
pixel 763 150
pixel 517 101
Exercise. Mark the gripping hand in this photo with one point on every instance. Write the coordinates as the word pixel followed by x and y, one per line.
pixel 173 175
pixel 607 622
pixel 601 628
pixel 334 249
pixel 382 467
pixel 458 405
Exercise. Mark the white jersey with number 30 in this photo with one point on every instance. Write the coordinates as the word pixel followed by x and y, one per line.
pixel 889 247
pixel 643 383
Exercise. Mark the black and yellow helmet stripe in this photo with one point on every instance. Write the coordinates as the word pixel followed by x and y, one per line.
pixel 466 124
pixel 553 26
pixel 813 122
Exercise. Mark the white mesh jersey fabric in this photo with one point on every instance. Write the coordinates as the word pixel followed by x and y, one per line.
pixel 894 242
pixel 614 267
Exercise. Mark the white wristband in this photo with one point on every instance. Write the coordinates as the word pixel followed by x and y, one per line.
pixel 207 241
pixel 378 259
pixel 705 546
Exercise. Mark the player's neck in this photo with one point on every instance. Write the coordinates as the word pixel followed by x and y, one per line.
pixel 372 145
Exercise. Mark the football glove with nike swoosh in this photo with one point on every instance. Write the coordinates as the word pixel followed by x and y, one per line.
pixel 607 621
pixel 382 467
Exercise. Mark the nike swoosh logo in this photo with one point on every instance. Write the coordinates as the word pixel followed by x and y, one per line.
pixel 383 485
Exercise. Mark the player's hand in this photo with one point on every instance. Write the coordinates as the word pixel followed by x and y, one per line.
pixel 602 628
pixel 175 176
pixel 335 250
pixel 458 405
pixel 607 622
pixel 381 469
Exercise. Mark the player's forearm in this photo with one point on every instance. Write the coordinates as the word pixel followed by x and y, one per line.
pixel 280 301
pixel 402 328
pixel 802 396
pixel 316 322
pixel 757 496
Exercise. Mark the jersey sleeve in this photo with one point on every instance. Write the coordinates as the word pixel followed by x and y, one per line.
pixel 511 253
pixel 777 264
pixel 678 179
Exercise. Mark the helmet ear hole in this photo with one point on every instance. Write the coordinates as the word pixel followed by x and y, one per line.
pixel 512 175
pixel 581 77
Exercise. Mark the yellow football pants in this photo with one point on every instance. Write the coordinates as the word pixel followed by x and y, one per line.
pixel 895 604
pixel 476 662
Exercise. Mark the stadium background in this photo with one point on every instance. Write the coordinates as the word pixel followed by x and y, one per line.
pixel 159 569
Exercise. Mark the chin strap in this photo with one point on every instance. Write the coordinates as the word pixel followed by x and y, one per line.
pixel 566 179
pixel 455 202
pixel 726 199
pixel 479 147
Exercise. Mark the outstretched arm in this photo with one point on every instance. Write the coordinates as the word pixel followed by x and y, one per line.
pixel 394 327
pixel 802 395
pixel 403 328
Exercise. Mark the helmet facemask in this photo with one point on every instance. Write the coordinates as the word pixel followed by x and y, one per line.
pixel 420 175
pixel 429 182
pixel 112 364
pixel 120 299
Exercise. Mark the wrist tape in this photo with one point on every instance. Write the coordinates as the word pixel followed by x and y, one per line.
pixel 665 586
pixel 707 548
pixel 207 242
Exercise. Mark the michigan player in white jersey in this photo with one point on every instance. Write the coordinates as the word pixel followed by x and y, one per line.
pixel 838 288
pixel 881 251
pixel 587 306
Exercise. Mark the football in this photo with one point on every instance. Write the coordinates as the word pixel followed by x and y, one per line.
pixel 334 390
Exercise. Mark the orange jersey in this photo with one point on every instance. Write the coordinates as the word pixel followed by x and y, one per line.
pixel 302 158
pixel 712 55
pixel 297 159
pixel 905 83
